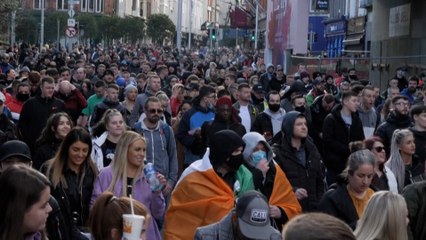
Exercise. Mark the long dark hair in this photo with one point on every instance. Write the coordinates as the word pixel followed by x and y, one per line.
pixel 48 133
pixel 20 188
pixel 57 165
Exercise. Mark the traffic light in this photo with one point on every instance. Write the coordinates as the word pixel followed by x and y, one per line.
pixel 253 35
pixel 213 36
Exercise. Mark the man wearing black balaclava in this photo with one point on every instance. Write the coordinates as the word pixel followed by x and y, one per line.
pixel 226 155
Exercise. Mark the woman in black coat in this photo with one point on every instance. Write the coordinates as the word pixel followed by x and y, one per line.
pixel 347 198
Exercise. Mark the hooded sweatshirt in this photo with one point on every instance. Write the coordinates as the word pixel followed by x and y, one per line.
pixel 160 149
pixel 302 166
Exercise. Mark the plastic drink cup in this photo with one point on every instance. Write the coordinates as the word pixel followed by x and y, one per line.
pixel 132 226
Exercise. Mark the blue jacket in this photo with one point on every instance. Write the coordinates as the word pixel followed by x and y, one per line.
pixel 194 118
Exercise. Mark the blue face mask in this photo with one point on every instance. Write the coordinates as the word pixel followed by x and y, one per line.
pixel 257 156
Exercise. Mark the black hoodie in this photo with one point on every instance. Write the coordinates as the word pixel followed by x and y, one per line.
pixel 302 173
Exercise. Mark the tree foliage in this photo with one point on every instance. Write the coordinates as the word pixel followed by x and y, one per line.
pixel 159 26
pixel 27 29
pixel 89 24
pixel 133 28
pixel 51 21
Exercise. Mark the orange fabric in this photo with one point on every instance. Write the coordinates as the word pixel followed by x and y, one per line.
pixel 203 198
pixel 200 199
pixel 360 204
pixel 283 195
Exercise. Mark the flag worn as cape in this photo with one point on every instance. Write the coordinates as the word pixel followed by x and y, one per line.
pixel 201 197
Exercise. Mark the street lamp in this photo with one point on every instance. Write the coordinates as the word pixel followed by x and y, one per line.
pixel 42 25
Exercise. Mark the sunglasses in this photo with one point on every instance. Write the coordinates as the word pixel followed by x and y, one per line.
pixel 379 149
pixel 152 111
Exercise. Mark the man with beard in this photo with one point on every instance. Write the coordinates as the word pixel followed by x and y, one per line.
pixel 398 119
pixel 268 123
pixel 411 91
pixel 160 142
pixel 366 112
pixel 247 111
pixel 37 110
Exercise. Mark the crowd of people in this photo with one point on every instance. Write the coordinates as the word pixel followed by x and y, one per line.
pixel 240 150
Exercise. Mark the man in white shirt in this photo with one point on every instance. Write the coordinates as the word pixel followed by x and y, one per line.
pixel 247 111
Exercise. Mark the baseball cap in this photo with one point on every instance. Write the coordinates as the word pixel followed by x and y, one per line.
pixel 253 216
pixel 14 148
pixel 279 68
pixel 258 88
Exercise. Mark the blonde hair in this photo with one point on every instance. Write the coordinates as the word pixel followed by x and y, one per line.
pixel 384 218
pixel 317 226
pixel 119 164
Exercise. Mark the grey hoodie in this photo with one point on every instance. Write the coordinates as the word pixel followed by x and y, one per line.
pixel 160 149
pixel 251 140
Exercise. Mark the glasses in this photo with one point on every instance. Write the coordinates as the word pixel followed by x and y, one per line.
pixel 379 149
pixel 152 111
pixel 402 104
pixel 213 96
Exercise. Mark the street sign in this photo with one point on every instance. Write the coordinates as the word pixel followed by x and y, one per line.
pixel 71 13
pixel 71 22
pixel 70 32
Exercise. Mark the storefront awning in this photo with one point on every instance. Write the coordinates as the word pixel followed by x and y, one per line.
pixel 354 39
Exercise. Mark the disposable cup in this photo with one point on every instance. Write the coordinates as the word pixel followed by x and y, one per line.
pixel 132 226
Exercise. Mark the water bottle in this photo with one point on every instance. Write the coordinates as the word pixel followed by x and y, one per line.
pixel 151 176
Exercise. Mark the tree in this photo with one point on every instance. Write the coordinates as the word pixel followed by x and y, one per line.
pixel 6 8
pixel 27 28
pixel 133 28
pixel 87 22
pixel 159 27
pixel 109 28
pixel 51 21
